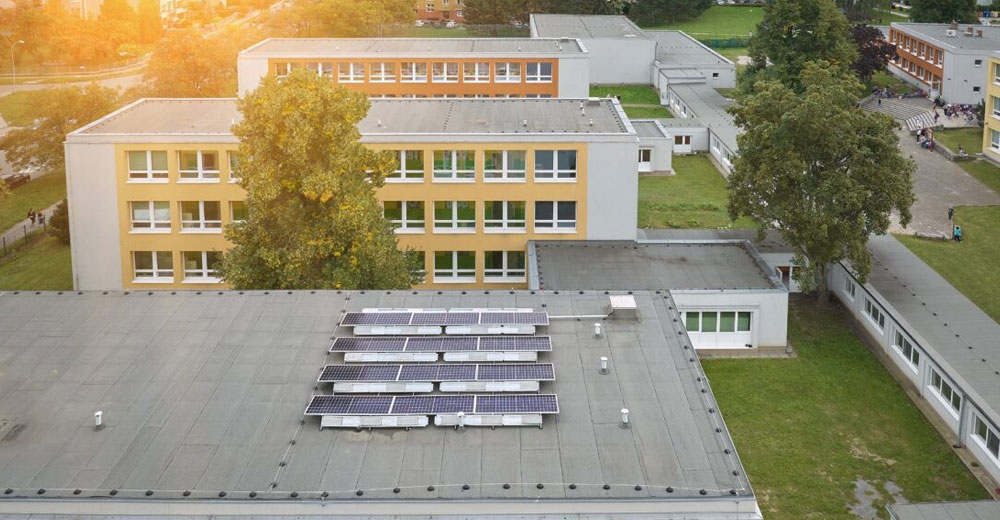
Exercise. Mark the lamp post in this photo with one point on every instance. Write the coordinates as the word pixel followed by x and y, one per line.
pixel 13 70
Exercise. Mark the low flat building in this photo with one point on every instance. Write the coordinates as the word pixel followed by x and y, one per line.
pixel 944 59
pixel 202 398
pixel 973 510
pixel 150 186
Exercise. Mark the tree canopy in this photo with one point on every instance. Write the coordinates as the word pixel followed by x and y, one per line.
pixel 314 221
pixel 822 172
pixel 943 11
pixel 188 63
pixel 874 51
pixel 339 18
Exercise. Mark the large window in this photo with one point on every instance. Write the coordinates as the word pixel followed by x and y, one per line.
pixel 508 72
pixel 996 73
pixel 874 314
pixel 413 72
pixel 238 211
pixel 201 215
pixel 504 165
pixel 713 321
pixel 201 266
pixel 147 165
pixel 407 216
pixel 538 72
pixel 454 266
pixel 234 163
pixel 454 165
pixel 987 435
pixel 322 69
pixel 455 216
pixel 551 165
pixel 351 72
pixel 198 165
pixel 555 216
pixel 411 167
pixel 477 72
pixel 504 216
pixel 384 72
pixel 503 266
pixel 945 391
pixel 153 266
pixel 907 350
pixel 150 216
pixel 994 140
pixel 444 72
pixel 995 103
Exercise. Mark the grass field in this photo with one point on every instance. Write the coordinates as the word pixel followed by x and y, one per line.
pixel 42 264
pixel 733 53
pixel 37 194
pixel 695 197
pixel 720 22
pixel 19 108
pixel 986 172
pixel 970 138
pixel 882 79
pixel 630 94
pixel 970 266
pixel 805 437
pixel 636 112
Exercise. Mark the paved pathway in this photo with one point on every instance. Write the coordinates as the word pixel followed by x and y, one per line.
pixel 17 231
pixel 939 183
pixel 119 83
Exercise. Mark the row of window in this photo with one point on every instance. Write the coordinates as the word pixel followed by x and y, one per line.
pixel 196 215
pixel 459 216
pixel 712 321
pixel 158 266
pixel 421 71
pixel 921 73
pixel 498 165
pixel 918 48
pixel 192 165
pixel 456 96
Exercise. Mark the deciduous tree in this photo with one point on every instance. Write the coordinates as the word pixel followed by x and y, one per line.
pixel 150 23
pixel 340 18
pixel 314 221
pixel 823 173
pixel 943 11
pixel 59 223
pixel 190 64
pixel 874 51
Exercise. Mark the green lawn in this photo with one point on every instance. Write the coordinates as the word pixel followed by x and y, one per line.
pixel 970 138
pixel 37 194
pixel 42 264
pixel 695 197
pixel 630 94
pixel 882 79
pixel 807 428
pixel 433 32
pixel 720 22
pixel 733 53
pixel 985 171
pixel 970 266
pixel 19 108
pixel 637 112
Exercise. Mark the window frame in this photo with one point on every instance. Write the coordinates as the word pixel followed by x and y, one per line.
pixel 382 76
pixel 505 273
pixel 505 224
pixel 850 288
pixel 902 344
pixel 149 174
pixel 233 157
pixel 414 75
pixel 202 175
pixel 154 226
pixel 204 274
pixel 477 76
pixel 556 174
pixel 507 77
pixel 203 225
pixel 454 225
pixel 352 74
pixel 454 274
pixel 445 76
pixel 406 224
pixel 553 225
pixel 454 173
pixel 538 76
pixel 989 434
pixel 995 140
pixel 871 309
pixel 155 271
pixel 506 173
pixel 403 172
pixel 940 385
pixel 232 211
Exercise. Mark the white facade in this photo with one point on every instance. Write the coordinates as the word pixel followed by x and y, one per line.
pixel 620 60
pixel 612 190
pixel 768 317
pixel 95 241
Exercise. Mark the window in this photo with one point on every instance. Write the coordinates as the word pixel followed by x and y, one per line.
pixel 945 391
pixel 501 165
pixel 499 216
pixel 645 155
pixel 874 314
pixel 351 72
pixel 200 216
pixel 682 139
pixel 412 72
pixel 150 217
pixel 234 163
pixel 456 216
pixel 411 167
pixel 445 72
pixel 996 73
pixel 153 266
pixel 503 266
pixel 198 165
pixel 903 346
pixel 407 216
pixel 743 322
pixel 850 288
pixel 508 72
pixel 978 63
pixel 692 321
pixel 322 69
pixel 382 73
pixel 713 321
pixel 715 74
pixel 709 321
pixel 555 216
pixel 477 72
pixel 282 68
pixel 147 165
pixel 995 140
pixel 454 165
pixel 538 72
pixel 238 211
pixel 454 266
pixel 555 165
pixel 975 89
pixel 987 435
pixel 201 266
pixel 430 7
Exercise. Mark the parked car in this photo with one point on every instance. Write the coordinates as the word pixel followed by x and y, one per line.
pixel 16 180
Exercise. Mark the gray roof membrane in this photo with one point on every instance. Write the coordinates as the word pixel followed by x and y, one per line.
pixel 585 26
pixel 373 47
pixel 977 510
pixel 205 392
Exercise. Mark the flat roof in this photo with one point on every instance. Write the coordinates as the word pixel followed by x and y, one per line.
pixel 205 392
pixel 585 26
pixel 677 49
pixel 937 33
pixel 215 117
pixel 972 510
pixel 626 265
pixel 369 47
pixel 648 128
pixel 709 107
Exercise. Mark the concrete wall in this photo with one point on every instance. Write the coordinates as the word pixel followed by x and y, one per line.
pixel 769 321
pixel 776 260
pixel 612 190
pixel 662 151
pixel 92 193
pixel 723 154
pixel 699 138
pixel 961 75
pixel 574 78
pixel 249 72
pixel 620 60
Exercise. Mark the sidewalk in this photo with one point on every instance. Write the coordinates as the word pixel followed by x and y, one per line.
pixel 17 232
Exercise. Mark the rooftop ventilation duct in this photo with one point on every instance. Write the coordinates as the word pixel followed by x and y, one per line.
pixel 624 306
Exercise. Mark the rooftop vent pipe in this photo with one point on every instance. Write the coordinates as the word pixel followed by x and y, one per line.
pixel 625 422
pixel 604 366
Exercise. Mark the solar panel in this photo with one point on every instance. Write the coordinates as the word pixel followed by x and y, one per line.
pixel 514 318
pixel 432 405
pixel 442 344
pixel 515 343
pixel 438 372
pixel 349 405
pixel 445 318
pixel 429 318
pixel 379 344
pixel 454 404
pixel 516 372
pixel 333 373
pixel 509 404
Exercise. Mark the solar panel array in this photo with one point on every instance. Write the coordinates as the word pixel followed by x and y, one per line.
pixel 445 318
pixel 442 344
pixel 438 372
pixel 432 404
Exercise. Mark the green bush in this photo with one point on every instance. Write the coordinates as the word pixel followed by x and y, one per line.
pixel 59 223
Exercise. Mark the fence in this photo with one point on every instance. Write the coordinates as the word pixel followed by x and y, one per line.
pixel 18 236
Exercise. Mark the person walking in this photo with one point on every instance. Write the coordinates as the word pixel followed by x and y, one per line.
pixel 880 102
pixel 41 218
pixel 31 215
pixel 958 233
